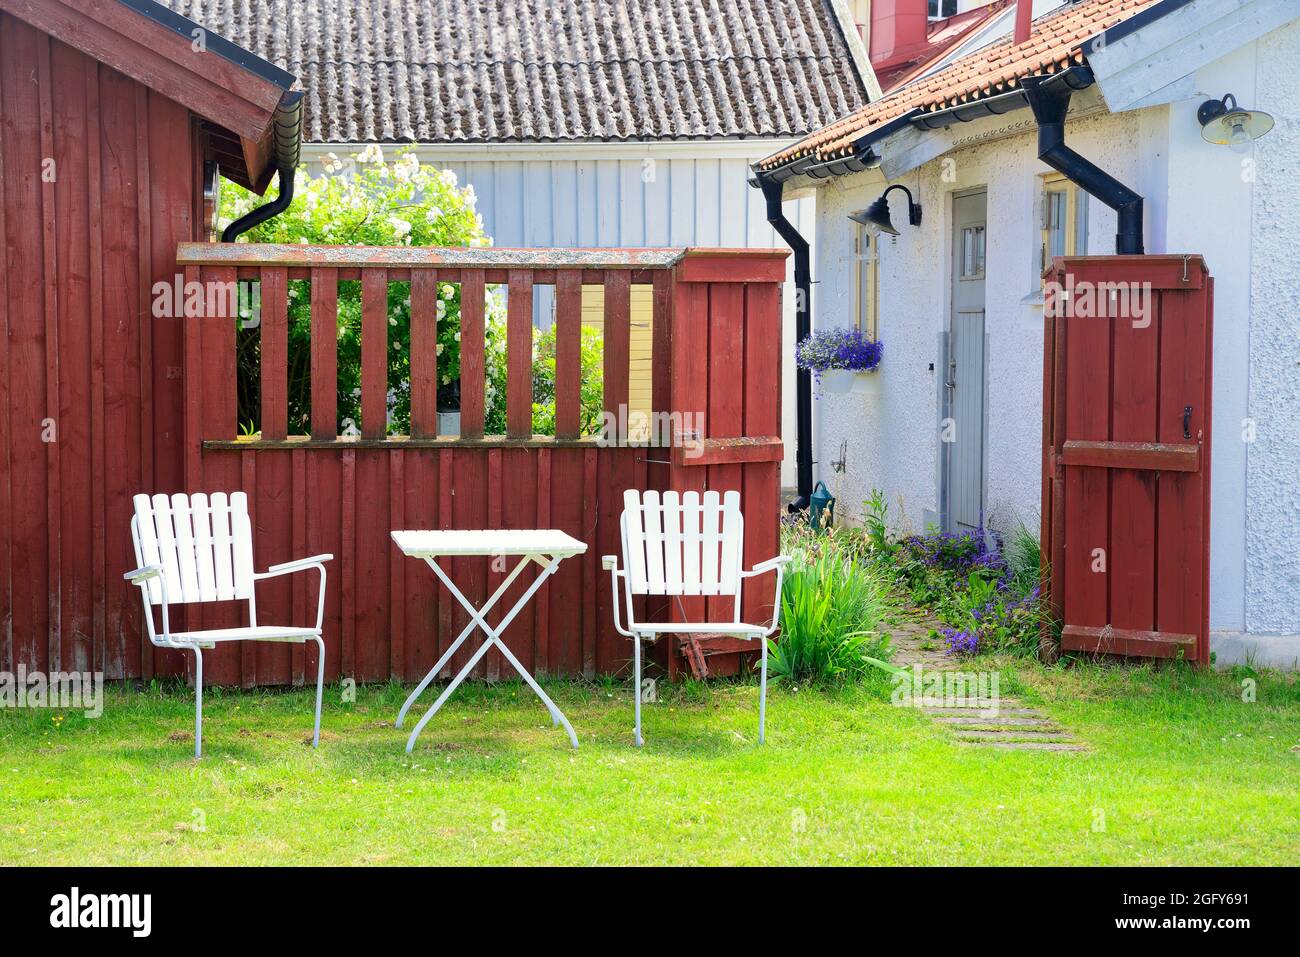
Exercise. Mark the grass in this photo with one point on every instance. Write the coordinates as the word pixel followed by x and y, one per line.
pixel 1180 771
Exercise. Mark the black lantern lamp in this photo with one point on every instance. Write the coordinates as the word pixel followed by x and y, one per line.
pixel 877 214
pixel 1225 123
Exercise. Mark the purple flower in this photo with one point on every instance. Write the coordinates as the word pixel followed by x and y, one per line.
pixel 838 349
pixel 961 642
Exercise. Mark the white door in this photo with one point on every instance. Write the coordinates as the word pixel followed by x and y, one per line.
pixel 962 436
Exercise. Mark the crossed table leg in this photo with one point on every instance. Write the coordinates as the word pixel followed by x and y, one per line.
pixel 478 618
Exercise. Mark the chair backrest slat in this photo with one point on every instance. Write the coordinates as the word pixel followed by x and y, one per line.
pixel 222 567
pixel 691 543
pixel 672 512
pixel 652 512
pixel 204 545
pixel 683 545
pixel 201 514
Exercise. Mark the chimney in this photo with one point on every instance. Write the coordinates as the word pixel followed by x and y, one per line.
pixel 1024 20
pixel 897 27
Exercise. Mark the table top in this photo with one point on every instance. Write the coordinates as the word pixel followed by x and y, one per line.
pixel 428 543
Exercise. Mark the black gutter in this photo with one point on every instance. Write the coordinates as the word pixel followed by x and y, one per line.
pixel 1049 101
pixel 772 191
pixel 286 142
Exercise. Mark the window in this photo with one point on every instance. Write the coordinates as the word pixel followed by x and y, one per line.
pixel 972 252
pixel 867 262
pixel 1062 220
pixel 942 8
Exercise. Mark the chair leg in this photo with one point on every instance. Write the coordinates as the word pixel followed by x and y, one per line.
pixel 320 687
pixel 636 655
pixel 198 703
pixel 762 691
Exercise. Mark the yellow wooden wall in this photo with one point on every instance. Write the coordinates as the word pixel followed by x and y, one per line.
pixel 593 314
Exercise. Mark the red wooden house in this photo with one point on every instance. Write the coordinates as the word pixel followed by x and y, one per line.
pixel 116 117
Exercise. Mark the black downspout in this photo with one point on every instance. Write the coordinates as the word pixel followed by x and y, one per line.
pixel 286 141
pixel 264 212
pixel 802 329
pixel 1048 101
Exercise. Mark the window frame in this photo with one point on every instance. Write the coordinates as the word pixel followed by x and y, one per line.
pixel 866 275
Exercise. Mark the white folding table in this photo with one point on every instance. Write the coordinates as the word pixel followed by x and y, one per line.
pixel 546 547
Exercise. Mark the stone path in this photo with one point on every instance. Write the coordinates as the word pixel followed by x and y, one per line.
pixel 1014 727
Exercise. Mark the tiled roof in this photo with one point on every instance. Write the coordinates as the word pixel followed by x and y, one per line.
pixel 478 71
pixel 1053 45
pixel 943 35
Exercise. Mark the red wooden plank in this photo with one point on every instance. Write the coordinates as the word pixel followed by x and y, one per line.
pixel 21 146
pixel 248 657
pixel 1181 528
pixel 618 339
pixel 273 543
pixel 569 592
pixel 1207 420
pixel 1131 563
pixel 542 610
pixel 519 355
pixel 50 301
pixel 424 353
pixel 396 565
pixel 96 339
pixel 423 497
pixel 299 582
pixel 568 353
pixel 760 499
pixel 372 549
pixel 7 660
pixel 725 418
pixel 471 354
pixel 324 353
pixel 591 606
pixel 348 565
pixel 275 353
pixel 1087 520
pixel 446 613
pixel 374 353
pixel 1127 641
pixel 497 564
pixel 1147 456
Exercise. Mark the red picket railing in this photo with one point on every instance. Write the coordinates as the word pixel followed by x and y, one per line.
pixel 716 356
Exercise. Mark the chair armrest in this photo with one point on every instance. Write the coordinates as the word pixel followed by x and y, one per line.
pixel 139 576
pixel 609 562
pixel 297 565
pixel 771 565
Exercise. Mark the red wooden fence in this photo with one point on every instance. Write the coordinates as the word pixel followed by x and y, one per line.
pixel 716 342
pixel 1126 453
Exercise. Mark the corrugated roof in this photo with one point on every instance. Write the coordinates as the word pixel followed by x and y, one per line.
pixel 1053 45
pixel 478 71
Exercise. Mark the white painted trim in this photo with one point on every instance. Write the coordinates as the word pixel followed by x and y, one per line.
pixel 747 149
pixel 857 51
pixel 1154 58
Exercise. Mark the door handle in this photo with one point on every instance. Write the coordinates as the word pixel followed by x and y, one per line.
pixel 1187 421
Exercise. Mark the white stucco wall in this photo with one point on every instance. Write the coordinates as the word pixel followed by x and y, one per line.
pixel 1199 198
pixel 893 441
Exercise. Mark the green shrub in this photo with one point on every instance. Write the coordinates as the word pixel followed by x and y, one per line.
pixel 591 401
pixel 376 204
pixel 831 607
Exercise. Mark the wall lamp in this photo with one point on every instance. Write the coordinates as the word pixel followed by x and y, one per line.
pixel 876 215
pixel 1225 123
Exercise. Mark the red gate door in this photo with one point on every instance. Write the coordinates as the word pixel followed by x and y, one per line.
pixel 1126 453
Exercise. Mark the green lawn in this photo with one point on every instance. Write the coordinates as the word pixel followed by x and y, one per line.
pixel 1180 771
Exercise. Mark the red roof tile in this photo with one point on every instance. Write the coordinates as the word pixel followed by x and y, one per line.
pixel 1053 46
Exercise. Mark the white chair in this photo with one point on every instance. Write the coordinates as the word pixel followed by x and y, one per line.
pixel 685 545
pixel 196 548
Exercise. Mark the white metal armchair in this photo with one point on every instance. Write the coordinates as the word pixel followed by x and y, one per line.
pixel 683 545
pixel 197 548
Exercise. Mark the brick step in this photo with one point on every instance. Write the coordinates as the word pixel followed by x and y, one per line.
pixel 1029 734
pixel 1025 745
pixel 984 720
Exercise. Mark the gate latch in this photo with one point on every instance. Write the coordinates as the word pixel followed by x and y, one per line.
pixel 1187 421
